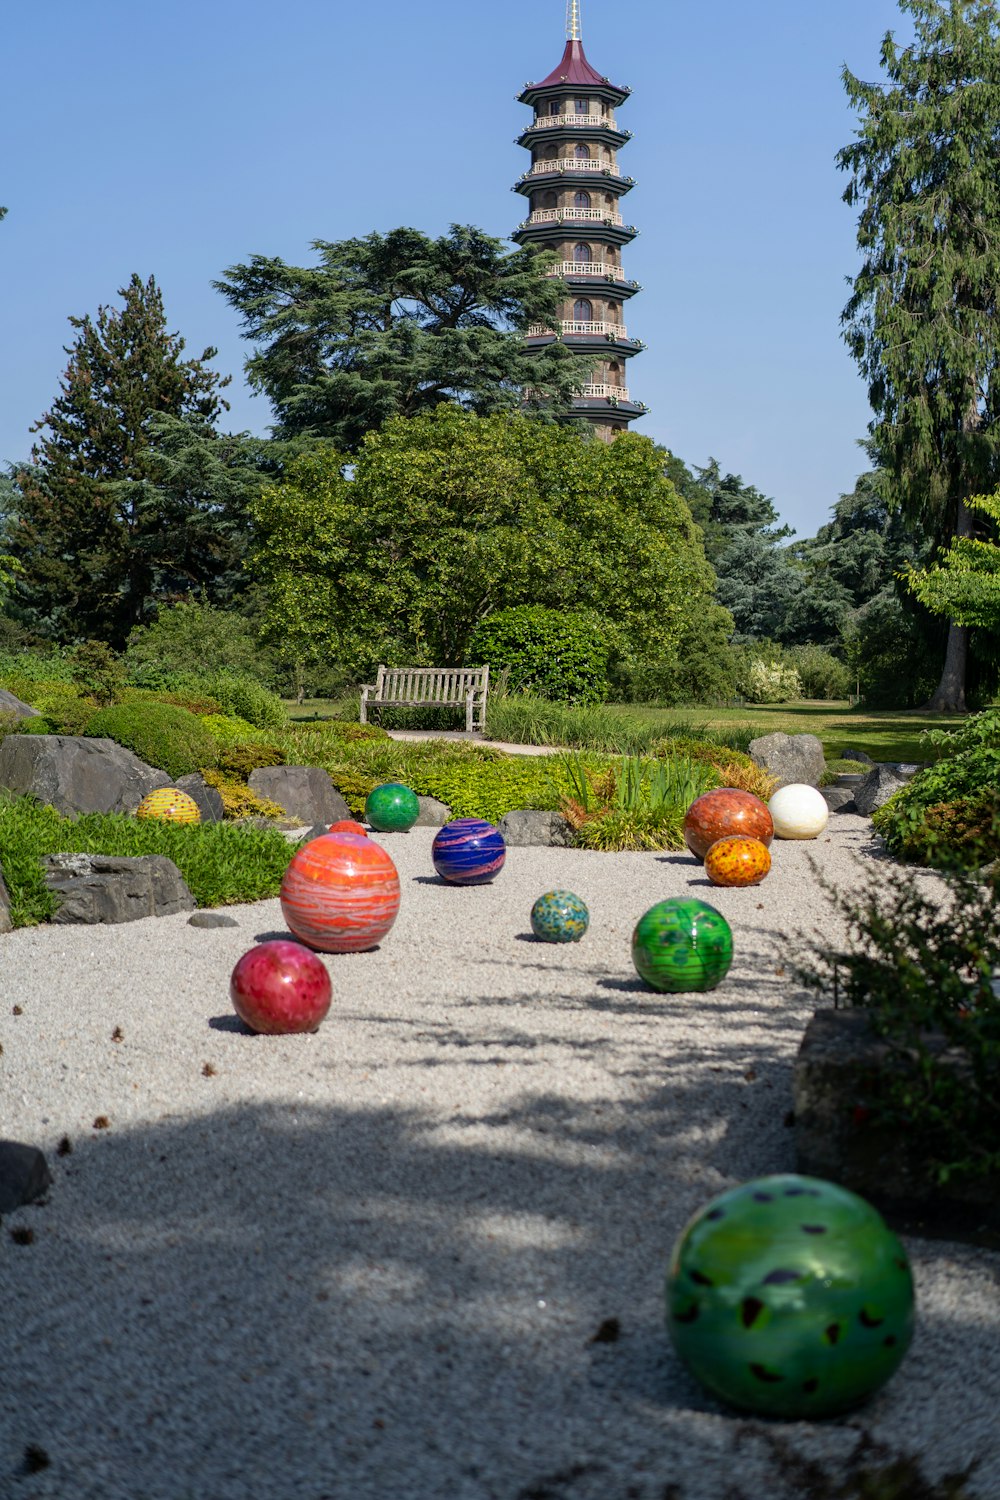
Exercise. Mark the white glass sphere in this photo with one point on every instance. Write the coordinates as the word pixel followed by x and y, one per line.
pixel 798 812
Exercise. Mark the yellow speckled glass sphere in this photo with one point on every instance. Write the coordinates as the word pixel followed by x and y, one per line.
pixel 170 805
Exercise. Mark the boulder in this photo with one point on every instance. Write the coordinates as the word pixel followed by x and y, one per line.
pixel 839 1079
pixel 24 1175
pixel 305 792
pixel 856 755
pixel 76 775
pixel 529 826
pixel 791 758
pixel 11 705
pixel 839 798
pixel 100 888
pixel 878 786
pixel 432 814
pixel 211 919
pixel 6 920
pixel 209 800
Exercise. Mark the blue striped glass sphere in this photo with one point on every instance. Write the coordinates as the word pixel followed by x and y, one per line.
pixel 468 851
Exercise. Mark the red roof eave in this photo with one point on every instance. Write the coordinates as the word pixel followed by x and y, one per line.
pixel 574 69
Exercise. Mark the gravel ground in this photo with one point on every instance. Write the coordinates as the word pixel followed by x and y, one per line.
pixel 370 1263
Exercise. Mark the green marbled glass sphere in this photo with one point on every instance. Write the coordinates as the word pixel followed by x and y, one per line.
pixel 392 808
pixel 789 1297
pixel 682 945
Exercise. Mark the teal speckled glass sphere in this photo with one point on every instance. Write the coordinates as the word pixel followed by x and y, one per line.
pixel 682 945
pixel 559 917
pixel 392 808
pixel 789 1297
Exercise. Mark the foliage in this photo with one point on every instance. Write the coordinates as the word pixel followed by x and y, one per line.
pixel 230 730
pixel 220 865
pixel 763 677
pixel 550 653
pixel 20 669
pixel 731 766
pixel 892 653
pixel 244 698
pixel 242 759
pixel 450 517
pixel 391 325
pixel 63 711
pixel 520 719
pixel 633 804
pixel 100 538
pixel 169 738
pixel 965 583
pixel 238 801
pixel 821 674
pixel 97 670
pixel 194 639
pixel 921 961
pixel 921 322
pixel 949 813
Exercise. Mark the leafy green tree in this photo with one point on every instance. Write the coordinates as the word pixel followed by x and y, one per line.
pixel 965 584
pixel 443 519
pixel 922 321
pixel 116 513
pixel 392 325
pixel 194 638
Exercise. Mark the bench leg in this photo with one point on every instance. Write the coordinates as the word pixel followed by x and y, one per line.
pixel 364 710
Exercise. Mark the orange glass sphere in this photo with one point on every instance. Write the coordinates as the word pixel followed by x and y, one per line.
pixel 348 825
pixel 340 893
pixel 716 815
pixel 737 860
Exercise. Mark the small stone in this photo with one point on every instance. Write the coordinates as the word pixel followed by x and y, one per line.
pixel 839 798
pixel 876 789
pixel 24 1175
pixel 856 755
pixel 211 919
pixel 432 814
pixel 528 827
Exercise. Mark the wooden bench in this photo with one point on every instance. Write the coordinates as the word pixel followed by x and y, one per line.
pixel 430 687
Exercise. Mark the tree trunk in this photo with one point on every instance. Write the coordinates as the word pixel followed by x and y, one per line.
pixel 949 695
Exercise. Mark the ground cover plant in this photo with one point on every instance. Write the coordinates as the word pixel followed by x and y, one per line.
pixel 921 965
pixel 221 864
pixel 950 812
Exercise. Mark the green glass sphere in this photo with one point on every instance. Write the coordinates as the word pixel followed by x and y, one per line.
pixel 559 917
pixel 681 945
pixel 789 1297
pixel 392 808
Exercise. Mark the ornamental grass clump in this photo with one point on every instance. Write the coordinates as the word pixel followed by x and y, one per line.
pixel 634 803
pixel 922 960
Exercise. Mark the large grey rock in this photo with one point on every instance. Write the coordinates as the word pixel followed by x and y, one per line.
pixel 100 888
pixel 839 798
pixel 432 814
pixel 840 1080
pixel 529 826
pixel 6 920
pixel 11 705
pixel 305 792
pixel 209 800
pixel 791 758
pixel 878 786
pixel 24 1175
pixel 76 775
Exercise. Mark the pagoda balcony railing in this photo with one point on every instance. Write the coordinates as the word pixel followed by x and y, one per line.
pixel 584 122
pixel 573 216
pixel 587 268
pixel 574 164
pixel 609 392
pixel 569 325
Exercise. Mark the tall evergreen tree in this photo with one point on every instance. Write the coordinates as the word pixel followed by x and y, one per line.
pixel 392 325
pixel 110 519
pixel 922 322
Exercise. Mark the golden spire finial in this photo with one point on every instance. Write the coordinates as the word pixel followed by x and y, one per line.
pixel 573 20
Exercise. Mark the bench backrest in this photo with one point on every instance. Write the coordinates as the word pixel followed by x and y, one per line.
pixel 429 684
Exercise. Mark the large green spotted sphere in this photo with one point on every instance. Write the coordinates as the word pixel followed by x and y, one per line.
pixel 789 1297
pixel 681 945
pixel 559 917
pixel 392 808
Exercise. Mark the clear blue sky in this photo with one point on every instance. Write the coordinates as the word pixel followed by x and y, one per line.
pixel 179 139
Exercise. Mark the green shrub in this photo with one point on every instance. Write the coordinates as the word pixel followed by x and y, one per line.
pixel 221 864
pixel 949 813
pixel 552 653
pixel 228 729
pixel 241 760
pixel 26 667
pixel 161 734
pixel 238 801
pixel 29 689
pixel 98 671
pixel 66 711
pixel 195 640
pixel 242 697
pixel 821 674
pixel 194 701
pixel 763 676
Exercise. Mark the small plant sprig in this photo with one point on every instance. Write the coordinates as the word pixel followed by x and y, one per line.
pixel 925 965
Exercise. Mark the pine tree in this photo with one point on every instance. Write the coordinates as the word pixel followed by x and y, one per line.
pixel 102 529
pixel 922 322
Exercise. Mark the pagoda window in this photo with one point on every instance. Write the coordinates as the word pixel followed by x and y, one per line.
pixel 550 200
pixel 582 153
pixel 583 311
pixel 582 252
pixel 581 200
pixel 582 106
pixel 555 107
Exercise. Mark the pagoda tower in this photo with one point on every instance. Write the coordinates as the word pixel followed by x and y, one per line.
pixel 574 189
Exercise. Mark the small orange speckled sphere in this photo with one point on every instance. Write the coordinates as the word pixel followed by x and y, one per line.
pixel 727 810
pixel 737 860
pixel 170 805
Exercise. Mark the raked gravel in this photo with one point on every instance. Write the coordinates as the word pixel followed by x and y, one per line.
pixel 369 1264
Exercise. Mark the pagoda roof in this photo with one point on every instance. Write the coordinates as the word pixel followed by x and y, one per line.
pixel 573 69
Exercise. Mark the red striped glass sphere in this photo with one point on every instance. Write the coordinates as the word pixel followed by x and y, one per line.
pixel 340 893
